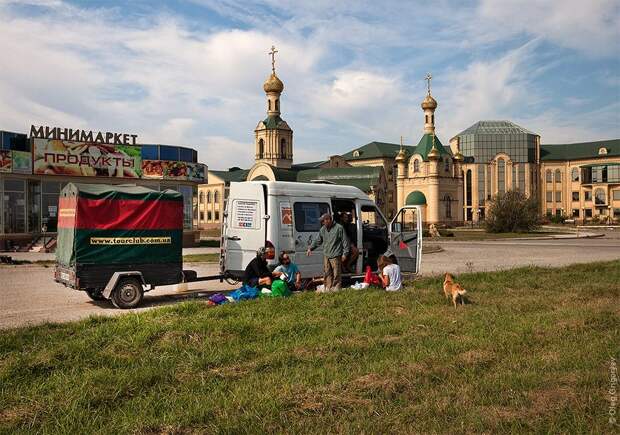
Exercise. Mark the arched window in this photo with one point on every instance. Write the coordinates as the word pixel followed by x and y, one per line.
pixel 202 197
pixel 448 203
pixel 558 176
pixel 208 197
pixel 216 197
pixel 261 148
pixel 278 105
pixel 600 197
pixel 283 148
pixel 432 118
pixel 446 164
pixel 574 174
pixel 426 118
pixel 501 176
pixel 549 176
pixel 269 105
pixel 416 165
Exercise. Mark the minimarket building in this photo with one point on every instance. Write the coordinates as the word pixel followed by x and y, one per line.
pixel 33 170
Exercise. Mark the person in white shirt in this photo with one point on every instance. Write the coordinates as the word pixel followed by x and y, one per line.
pixel 389 274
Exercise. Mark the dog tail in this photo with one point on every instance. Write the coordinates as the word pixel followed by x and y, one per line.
pixel 461 291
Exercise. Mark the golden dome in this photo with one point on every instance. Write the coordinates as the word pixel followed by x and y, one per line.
pixel 401 156
pixel 458 156
pixel 273 84
pixel 433 154
pixel 429 102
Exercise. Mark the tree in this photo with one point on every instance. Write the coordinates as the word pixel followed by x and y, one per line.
pixel 512 212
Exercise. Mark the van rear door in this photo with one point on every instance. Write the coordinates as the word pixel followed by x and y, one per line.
pixel 245 228
pixel 406 238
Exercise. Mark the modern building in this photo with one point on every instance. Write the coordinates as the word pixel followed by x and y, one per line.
pixel 33 170
pixel 498 156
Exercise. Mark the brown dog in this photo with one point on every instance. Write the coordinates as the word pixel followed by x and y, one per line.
pixel 453 289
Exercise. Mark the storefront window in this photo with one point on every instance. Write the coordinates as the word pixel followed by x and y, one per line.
pixel 168 153
pixel 14 206
pixel 186 191
pixel 150 152
pixel 599 197
pixel 49 205
pixel 34 206
pixel 186 154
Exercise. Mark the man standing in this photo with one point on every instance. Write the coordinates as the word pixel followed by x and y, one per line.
pixel 335 250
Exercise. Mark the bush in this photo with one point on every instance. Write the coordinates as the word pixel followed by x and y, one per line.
pixel 558 219
pixel 512 212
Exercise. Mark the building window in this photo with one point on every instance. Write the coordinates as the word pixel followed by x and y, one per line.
pixel 501 175
pixel 558 176
pixel 558 196
pixel 468 192
pixel 448 202
pixel 600 197
pixel 575 212
pixel 549 212
pixel 278 105
pixel 202 216
pixel 209 216
pixel 616 195
pixel 617 213
pixel 426 118
pixel 208 197
pixel 416 165
pixel 549 196
pixel 446 164
pixel 283 148
pixel 216 197
pixel 261 148
pixel 356 153
pixel 481 171
pixel 217 216
pixel 202 197
pixel 588 212
pixel 575 196
pixel 269 105
pixel 574 174
pixel 522 177
pixel 587 195
pixel 548 176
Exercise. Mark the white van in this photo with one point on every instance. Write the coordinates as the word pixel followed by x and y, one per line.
pixel 285 216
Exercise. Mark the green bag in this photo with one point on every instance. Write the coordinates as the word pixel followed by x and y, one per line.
pixel 280 288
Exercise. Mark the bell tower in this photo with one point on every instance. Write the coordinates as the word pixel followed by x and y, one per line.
pixel 273 136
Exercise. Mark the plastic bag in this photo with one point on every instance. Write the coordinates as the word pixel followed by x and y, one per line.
pixel 371 278
pixel 245 292
pixel 218 299
pixel 280 288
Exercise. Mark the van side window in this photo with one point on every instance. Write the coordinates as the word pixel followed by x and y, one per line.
pixel 307 215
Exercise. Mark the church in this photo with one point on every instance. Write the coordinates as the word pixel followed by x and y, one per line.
pixel 453 184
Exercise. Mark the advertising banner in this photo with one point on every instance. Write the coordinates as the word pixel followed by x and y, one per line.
pixel 61 157
pixel 22 162
pixel 171 170
pixel 5 161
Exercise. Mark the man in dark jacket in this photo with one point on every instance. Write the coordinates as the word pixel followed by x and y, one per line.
pixel 336 248
pixel 257 273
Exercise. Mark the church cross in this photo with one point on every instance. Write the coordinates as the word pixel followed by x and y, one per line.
pixel 428 79
pixel 272 53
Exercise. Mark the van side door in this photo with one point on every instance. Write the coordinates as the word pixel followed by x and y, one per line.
pixel 406 238
pixel 306 226
pixel 245 228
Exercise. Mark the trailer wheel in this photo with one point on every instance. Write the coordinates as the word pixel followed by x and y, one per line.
pixel 95 294
pixel 127 294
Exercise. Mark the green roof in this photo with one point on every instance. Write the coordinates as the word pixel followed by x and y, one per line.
pixel 362 177
pixel 495 127
pixel 308 165
pixel 284 174
pixel 581 150
pixel 415 198
pixel 232 175
pixel 426 144
pixel 375 150
pixel 272 122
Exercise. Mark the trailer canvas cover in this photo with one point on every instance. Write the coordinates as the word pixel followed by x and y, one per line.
pixel 104 224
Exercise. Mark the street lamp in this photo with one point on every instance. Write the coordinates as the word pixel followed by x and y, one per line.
pixel 44 230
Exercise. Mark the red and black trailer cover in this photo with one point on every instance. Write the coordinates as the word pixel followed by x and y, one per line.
pixel 103 229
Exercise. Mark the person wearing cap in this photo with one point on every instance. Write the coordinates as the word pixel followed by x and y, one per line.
pixel 335 242
pixel 257 273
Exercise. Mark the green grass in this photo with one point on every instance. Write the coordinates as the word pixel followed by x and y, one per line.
pixel 531 353
pixel 201 258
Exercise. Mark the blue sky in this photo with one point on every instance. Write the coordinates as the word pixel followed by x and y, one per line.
pixel 190 72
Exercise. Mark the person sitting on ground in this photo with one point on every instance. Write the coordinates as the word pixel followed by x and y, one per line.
pixel 288 272
pixel 389 273
pixel 257 273
pixel 351 231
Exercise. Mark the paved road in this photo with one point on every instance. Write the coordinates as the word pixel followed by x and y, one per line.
pixel 29 296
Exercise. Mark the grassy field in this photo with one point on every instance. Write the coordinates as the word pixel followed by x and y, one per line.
pixel 531 352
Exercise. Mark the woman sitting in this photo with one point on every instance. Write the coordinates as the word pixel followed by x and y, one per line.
pixel 257 273
pixel 389 273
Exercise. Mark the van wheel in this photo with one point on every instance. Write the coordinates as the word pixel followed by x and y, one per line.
pixel 95 294
pixel 127 294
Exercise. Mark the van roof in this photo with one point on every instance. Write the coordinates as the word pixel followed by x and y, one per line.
pixel 311 189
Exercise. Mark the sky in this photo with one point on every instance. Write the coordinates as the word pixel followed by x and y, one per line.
pixel 190 72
